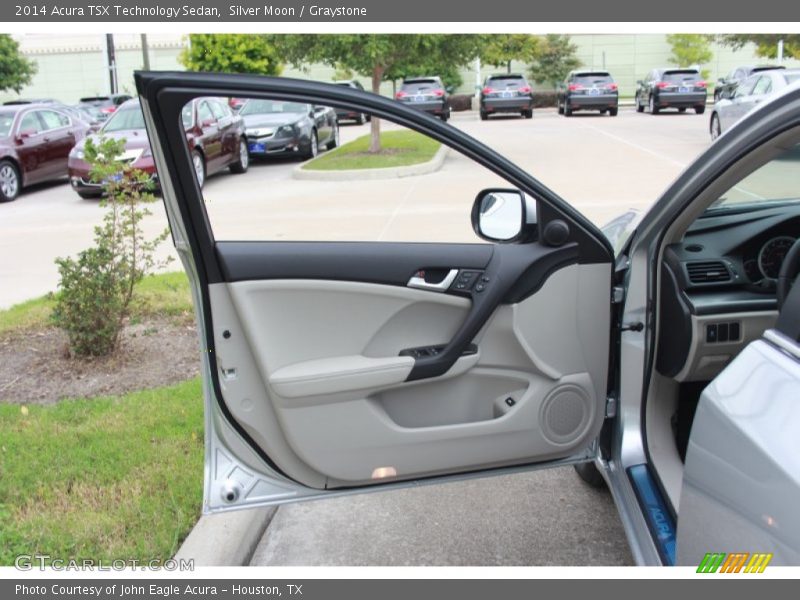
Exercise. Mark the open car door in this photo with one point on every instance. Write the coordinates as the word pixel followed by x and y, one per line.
pixel 335 366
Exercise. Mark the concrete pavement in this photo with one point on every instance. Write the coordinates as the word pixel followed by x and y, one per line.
pixel 547 517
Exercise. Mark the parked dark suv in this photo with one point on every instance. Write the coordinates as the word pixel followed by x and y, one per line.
pixel 672 88
pixel 342 114
pixel 506 94
pixel 728 84
pixel 426 94
pixel 588 90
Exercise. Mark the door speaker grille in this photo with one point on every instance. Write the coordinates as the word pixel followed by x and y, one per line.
pixel 565 414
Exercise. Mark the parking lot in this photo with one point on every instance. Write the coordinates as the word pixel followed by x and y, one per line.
pixel 602 165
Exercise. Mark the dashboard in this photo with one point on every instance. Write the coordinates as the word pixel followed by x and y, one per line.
pixel 718 290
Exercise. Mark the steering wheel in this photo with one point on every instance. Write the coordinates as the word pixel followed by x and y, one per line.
pixel 789 270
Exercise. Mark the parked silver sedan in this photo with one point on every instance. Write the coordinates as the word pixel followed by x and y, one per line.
pixel 750 93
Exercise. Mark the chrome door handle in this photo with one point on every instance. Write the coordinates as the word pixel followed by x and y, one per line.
pixel 418 281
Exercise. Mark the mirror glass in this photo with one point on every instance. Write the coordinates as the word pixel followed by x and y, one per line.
pixel 500 216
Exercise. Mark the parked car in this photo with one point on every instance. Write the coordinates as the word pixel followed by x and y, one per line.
pixel 277 128
pixel 751 92
pixel 727 85
pixel 426 94
pixel 384 365
pixel 106 104
pixel 214 135
pixel 92 115
pixel 30 101
pixel 350 115
pixel 35 141
pixel 588 90
pixel 506 93
pixel 672 88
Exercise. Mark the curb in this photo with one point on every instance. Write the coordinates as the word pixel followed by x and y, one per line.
pixel 226 539
pixel 431 166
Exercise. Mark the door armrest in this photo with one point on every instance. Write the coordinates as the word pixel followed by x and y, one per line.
pixel 339 374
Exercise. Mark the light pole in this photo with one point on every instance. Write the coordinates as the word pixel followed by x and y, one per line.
pixel 145 53
pixel 111 62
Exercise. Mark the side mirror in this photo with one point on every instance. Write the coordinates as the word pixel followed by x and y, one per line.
pixel 94 128
pixel 502 215
pixel 639 82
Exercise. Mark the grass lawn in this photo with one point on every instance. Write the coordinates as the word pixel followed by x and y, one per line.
pixel 103 478
pixel 399 149
pixel 164 294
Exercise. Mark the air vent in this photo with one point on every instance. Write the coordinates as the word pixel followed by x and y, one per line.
pixel 712 271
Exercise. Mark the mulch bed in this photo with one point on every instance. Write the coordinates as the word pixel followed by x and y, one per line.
pixel 35 367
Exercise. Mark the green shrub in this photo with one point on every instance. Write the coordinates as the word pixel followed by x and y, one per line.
pixel 90 302
pixel 96 287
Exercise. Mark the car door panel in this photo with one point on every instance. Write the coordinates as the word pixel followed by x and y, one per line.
pixel 315 330
pixel 32 149
pixel 310 385
pixel 60 139
pixel 328 353
pixel 212 138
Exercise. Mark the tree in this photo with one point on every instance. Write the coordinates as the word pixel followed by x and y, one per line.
pixel 16 71
pixel 500 50
pixel 231 53
pixel 555 57
pixel 690 49
pixel 766 44
pixel 380 57
pixel 96 288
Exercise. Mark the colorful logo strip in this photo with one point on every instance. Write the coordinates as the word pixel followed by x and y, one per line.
pixel 735 562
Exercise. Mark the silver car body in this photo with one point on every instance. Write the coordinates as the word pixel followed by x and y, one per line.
pixel 743 463
pixel 750 93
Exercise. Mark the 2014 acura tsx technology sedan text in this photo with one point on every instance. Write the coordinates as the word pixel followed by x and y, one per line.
pixel 665 362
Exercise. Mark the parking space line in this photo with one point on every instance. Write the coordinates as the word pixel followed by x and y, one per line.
pixel 396 210
pixel 637 146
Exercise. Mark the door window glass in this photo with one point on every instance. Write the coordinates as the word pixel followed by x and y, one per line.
pixel 216 108
pixel 763 86
pixel 310 178
pixel 204 113
pixel 53 119
pixel 30 123
pixel 745 88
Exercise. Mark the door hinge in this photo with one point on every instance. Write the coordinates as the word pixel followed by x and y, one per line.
pixel 611 407
pixel 617 294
